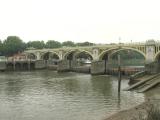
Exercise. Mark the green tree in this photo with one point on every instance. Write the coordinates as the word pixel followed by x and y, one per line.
pixel 68 44
pixel 36 44
pixel 53 44
pixel 12 45
pixel 85 44
pixel 1 48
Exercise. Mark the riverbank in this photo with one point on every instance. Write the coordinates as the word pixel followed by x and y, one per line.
pixel 153 99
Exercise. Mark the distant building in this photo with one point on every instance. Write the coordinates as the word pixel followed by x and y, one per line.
pixel 18 56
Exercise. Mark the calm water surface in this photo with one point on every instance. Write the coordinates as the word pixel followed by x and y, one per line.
pixel 48 95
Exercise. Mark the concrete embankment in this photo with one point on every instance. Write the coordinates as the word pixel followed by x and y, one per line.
pixel 145 84
pixel 81 69
pixel 27 65
pixel 103 67
pixel 95 68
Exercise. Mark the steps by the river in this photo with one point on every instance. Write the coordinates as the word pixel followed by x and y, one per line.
pixel 149 86
pixel 147 82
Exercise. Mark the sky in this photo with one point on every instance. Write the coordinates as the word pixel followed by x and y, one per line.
pixel 98 21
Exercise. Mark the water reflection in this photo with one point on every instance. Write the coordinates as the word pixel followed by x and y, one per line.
pixel 102 85
pixel 48 95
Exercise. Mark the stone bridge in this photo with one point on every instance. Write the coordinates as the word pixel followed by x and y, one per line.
pixel 98 54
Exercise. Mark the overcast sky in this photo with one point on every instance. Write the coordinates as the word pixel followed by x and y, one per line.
pixel 99 21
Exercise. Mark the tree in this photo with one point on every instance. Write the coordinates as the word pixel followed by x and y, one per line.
pixel 36 44
pixel 85 44
pixel 53 44
pixel 12 45
pixel 1 48
pixel 68 44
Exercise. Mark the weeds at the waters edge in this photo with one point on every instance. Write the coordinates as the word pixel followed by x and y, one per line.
pixel 152 114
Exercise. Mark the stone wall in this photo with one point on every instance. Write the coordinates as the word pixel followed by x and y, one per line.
pixel 82 69
pixel 40 64
pixel 153 67
pixel 52 64
pixel 63 66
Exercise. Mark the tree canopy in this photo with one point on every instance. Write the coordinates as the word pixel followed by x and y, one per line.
pixel 36 44
pixel 1 48
pixel 13 44
pixel 68 44
pixel 85 44
pixel 53 44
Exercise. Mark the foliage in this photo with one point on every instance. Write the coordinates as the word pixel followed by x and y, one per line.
pixel 53 44
pixel 12 45
pixel 1 48
pixel 68 44
pixel 36 44
pixel 85 44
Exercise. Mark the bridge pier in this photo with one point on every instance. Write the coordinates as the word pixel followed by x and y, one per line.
pixel 98 67
pixel 19 65
pixel 52 64
pixel 152 68
pixel 14 66
pixel 40 64
pixel 29 65
pixel 64 66
pixel 79 67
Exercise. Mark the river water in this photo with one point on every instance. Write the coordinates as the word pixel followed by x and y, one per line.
pixel 48 95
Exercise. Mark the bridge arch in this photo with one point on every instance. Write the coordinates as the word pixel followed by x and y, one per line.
pixel 157 56
pixel 69 55
pixel 50 55
pixel 83 53
pixel 117 49
pixel 31 56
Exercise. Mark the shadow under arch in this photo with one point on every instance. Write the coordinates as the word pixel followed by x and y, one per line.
pixel 79 61
pixel 107 52
pixel 18 66
pixel 157 57
pixel 69 55
pixel 10 66
pixel 50 56
pixel 83 55
pixel 129 57
pixel 130 62
pixel 31 56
